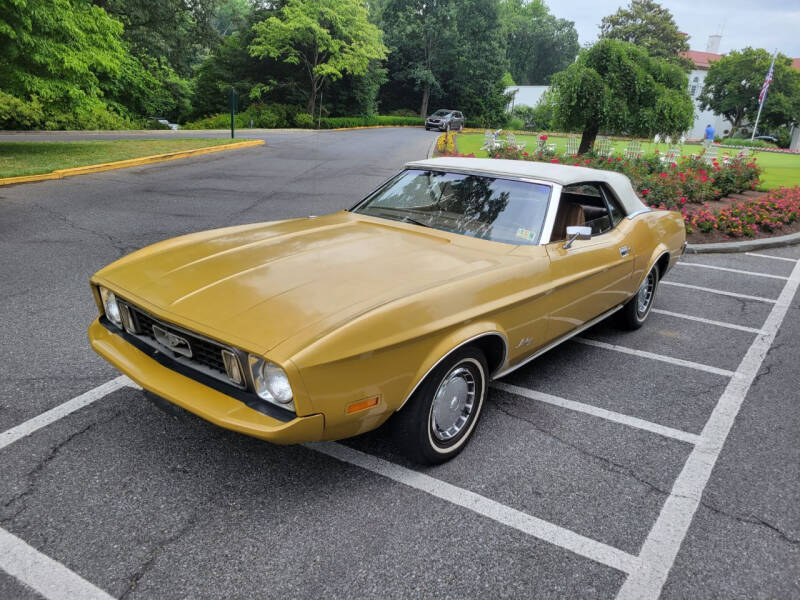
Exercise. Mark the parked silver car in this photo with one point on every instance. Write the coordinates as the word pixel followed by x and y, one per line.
pixel 445 120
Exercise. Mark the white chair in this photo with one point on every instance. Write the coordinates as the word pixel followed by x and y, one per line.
pixel 511 142
pixel 572 146
pixel 634 150
pixel 603 147
pixel 671 156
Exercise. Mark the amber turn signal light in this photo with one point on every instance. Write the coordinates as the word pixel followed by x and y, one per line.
pixel 362 404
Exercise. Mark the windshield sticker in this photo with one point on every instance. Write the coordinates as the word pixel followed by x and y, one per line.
pixel 525 234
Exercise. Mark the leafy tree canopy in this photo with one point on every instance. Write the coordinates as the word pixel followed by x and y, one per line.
pixel 649 25
pixel 733 83
pixel 616 87
pixel 55 55
pixel 539 44
pixel 328 38
pixel 171 31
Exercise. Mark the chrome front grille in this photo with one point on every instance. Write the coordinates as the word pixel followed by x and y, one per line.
pixel 203 354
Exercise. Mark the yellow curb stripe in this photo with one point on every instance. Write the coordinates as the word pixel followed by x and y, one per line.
pixel 131 162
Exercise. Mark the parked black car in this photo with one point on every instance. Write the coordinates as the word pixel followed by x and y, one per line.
pixel 445 120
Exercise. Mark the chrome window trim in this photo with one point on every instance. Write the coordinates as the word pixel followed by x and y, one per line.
pixel 449 352
pixel 639 212
pixel 550 216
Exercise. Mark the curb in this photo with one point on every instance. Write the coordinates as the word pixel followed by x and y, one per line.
pixel 131 162
pixel 747 246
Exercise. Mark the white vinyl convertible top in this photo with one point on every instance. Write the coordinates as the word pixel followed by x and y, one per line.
pixel 560 174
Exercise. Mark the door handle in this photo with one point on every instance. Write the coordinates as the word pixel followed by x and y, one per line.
pixel 624 251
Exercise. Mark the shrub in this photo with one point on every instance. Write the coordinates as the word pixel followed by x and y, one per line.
pixel 304 120
pixel 446 144
pixel 515 124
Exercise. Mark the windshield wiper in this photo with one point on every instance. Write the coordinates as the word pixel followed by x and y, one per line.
pixel 406 219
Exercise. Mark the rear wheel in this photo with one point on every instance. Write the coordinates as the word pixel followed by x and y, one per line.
pixel 439 418
pixel 635 312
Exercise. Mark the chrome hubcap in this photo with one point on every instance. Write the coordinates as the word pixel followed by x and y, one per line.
pixel 453 403
pixel 645 294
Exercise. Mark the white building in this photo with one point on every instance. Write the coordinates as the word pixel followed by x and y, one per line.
pixel 697 77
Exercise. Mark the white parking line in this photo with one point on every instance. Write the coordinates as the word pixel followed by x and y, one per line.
pixel 708 321
pixel 737 271
pixel 544 530
pixel 596 411
pixel 653 356
pixel 14 434
pixel 41 573
pixel 36 569
pixel 794 260
pixel 715 291
pixel 662 544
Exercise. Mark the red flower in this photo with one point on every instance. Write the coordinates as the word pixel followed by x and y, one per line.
pixel 645 192
pixel 524 154
pixel 663 175
pixel 553 160
pixel 543 137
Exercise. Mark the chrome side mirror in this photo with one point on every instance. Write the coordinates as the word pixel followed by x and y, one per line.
pixel 577 232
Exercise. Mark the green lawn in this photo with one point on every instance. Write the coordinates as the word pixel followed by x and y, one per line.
pixel 32 158
pixel 779 169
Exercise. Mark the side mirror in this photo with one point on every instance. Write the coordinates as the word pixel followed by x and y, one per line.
pixel 577 232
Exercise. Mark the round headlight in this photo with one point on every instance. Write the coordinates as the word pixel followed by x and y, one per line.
pixel 271 382
pixel 278 382
pixel 110 306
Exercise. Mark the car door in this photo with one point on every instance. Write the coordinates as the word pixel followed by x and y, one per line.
pixel 591 276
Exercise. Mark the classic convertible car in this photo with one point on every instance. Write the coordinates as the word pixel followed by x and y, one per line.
pixel 453 273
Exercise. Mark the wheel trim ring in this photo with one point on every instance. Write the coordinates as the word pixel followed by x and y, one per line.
pixel 453 403
pixel 458 441
pixel 644 297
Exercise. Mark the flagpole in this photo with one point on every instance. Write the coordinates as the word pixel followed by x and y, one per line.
pixel 764 99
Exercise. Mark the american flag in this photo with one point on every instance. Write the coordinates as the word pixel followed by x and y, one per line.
pixel 767 81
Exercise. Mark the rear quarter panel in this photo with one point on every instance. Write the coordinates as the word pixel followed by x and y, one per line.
pixel 652 234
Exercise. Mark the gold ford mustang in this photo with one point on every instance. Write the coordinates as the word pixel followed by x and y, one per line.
pixel 453 273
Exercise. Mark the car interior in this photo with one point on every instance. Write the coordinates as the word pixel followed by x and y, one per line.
pixel 586 204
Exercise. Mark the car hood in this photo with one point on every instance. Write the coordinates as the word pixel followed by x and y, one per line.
pixel 257 285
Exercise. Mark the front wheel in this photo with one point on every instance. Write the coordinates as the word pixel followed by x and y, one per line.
pixel 441 414
pixel 635 312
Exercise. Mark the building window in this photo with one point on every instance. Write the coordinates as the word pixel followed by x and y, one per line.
pixel 693 90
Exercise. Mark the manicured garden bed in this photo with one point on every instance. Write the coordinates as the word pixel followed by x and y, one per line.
pixel 33 158
pixel 779 170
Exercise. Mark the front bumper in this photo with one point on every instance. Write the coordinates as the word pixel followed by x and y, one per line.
pixel 206 402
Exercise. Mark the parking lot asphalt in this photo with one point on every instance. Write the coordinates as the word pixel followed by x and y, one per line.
pixel 663 462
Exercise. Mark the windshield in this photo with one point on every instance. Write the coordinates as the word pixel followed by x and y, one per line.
pixel 441 113
pixel 490 208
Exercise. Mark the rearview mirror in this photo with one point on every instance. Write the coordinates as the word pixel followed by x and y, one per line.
pixel 577 232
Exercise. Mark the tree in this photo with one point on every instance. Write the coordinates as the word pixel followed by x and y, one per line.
pixel 330 38
pixel 649 25
pixel 539 44
pixel 477 63
pixel 618 88
pixel 733 83
pixel 54 55
pixel 420 33
pixel 174 32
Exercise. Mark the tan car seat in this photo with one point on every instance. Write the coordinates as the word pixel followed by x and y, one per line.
pixel 568 215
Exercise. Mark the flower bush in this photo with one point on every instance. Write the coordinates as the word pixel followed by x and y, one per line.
pixel 446 144
pixel 777 209
pixel 661 184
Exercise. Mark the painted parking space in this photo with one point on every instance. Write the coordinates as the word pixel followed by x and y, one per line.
pixel 590 475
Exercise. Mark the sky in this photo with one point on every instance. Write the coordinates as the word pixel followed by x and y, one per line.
pixel 770 24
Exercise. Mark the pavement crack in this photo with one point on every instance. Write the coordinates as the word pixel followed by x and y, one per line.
pixel 155 552
pixel 33 475
pixel 108 238
pixel 752 520
pixel 606 463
